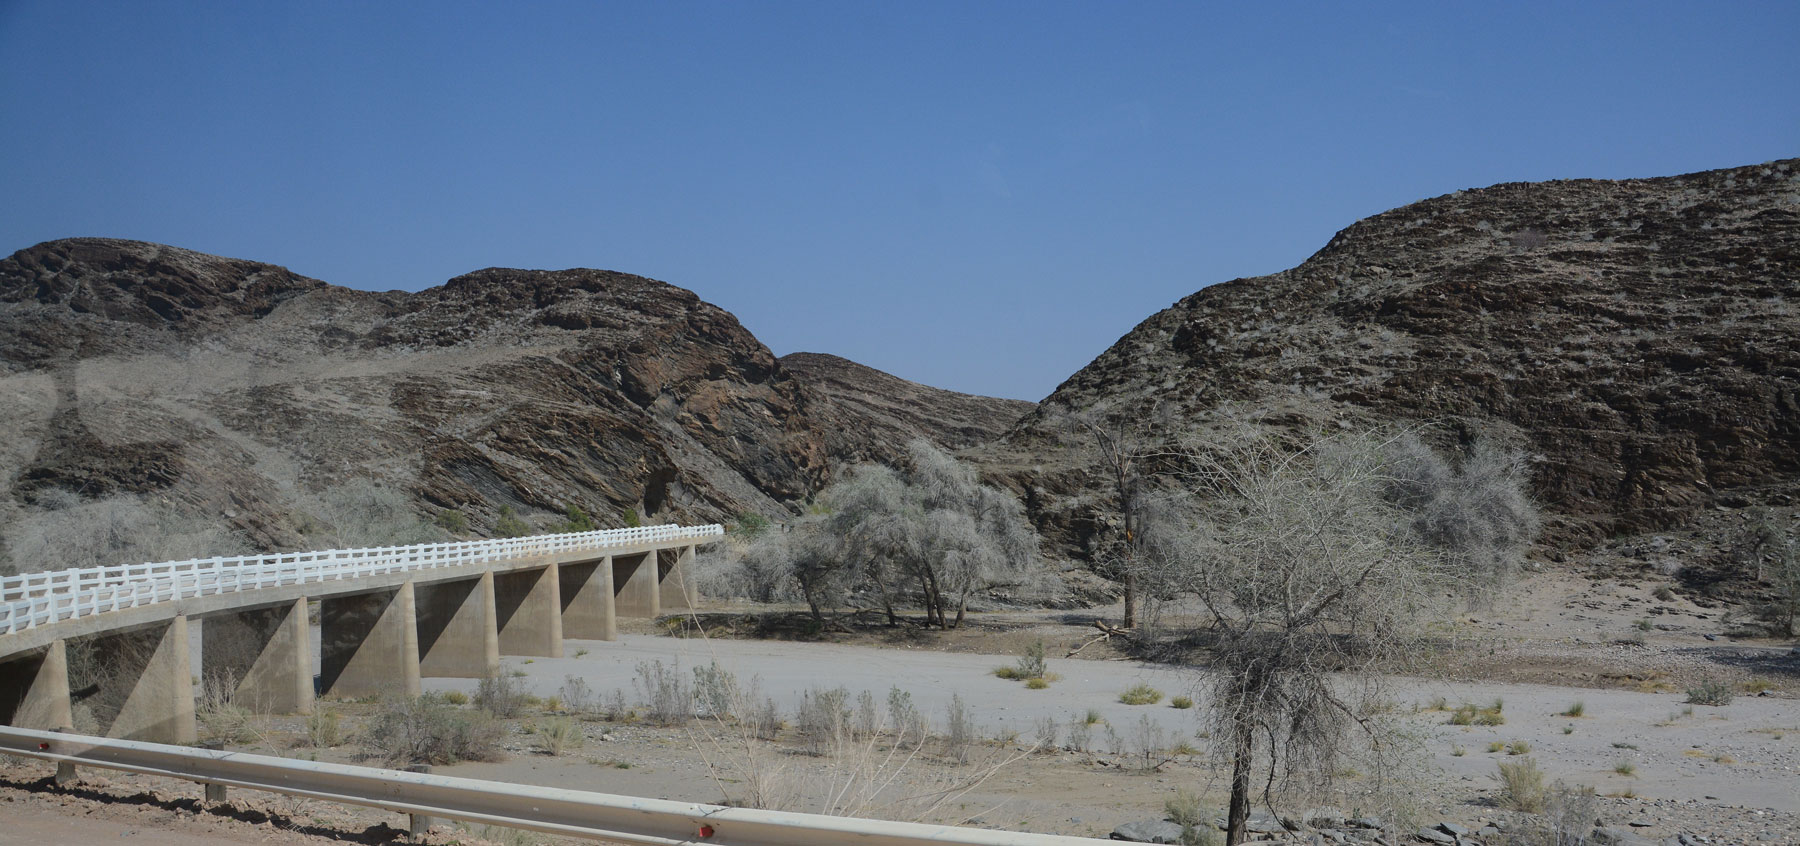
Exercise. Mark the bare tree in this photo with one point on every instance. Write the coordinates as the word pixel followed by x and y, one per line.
pixel 1309 581
pixel 1122 452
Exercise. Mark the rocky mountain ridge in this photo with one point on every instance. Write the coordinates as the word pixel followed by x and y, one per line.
pixel 1639 338
pixel 217 386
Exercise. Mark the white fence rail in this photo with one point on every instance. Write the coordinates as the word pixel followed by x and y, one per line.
pixel 571 813
pixel 35 599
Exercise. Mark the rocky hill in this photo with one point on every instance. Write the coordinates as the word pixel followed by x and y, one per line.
pixel 1640 338
pixel 872 413
pixel 178 387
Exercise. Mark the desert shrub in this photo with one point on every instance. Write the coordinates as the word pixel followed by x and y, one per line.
pixel 1044 734
pixel 500 695
pixel 577 696
pixel 904 718
pixel 1625 768
pixel 1712 692
pixel 868 719
pixel 1081 735
pixel 630 518
pixel 1185 809
pixel 1150 744
pixel 1181 702
pixel 1469 714
pixel 666 694
pixel 959 730
pixel 364 513
pixel 765 720
pixel 1518 747
pixel 1576 710
pixel 558 734
pixel 221 721
pixel 1568 817
pixel 823 720
pixel 455 697
pixel 715 690
pixel 1037 684
pixel 508 525
pixel 1031 665
pixel 428 730
pixel 324 728
pixel 1141 694
pixel 1521 786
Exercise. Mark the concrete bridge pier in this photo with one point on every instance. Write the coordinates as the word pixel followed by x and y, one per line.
pixel 587 600
pixel 529 609
pixel 675 588
pixel 369 644
pixel 262 656
pixel 635 593
pixel 34 690
pixel 150 679
pixel 458 631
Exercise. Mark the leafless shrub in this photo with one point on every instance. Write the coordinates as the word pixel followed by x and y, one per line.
pixel 666 694
pixel 1045 734
pixel 823 720
pixel 324 727
pixel 907 722
pixel 1081 733
pixel 363 513
pixel 868 720
pixel 959 730
pixel 66 531
pixel 577 696
pixel 1528 239
pixel 500 695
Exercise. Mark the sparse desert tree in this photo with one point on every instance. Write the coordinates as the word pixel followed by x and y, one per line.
pixel 1122 451
pixel 1771 551
pixel 1476 511
pixel 1310 581
pixel 931 530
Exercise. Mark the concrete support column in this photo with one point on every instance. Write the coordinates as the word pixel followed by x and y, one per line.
pixel 34 690
pixel 587 600
pixel 634 585
pixel 529 609
pixel 152 680
pixel 262 656
pixel 369 644
pixel 675 586
pixel 459 634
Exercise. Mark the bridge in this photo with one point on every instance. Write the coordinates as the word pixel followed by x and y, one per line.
pixel 387 616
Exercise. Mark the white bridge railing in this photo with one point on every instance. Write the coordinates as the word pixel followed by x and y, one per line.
pixel 35 599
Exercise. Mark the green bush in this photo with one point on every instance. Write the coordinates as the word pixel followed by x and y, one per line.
pixel 575 520
pixel 509 525
pixel 750 525
pixel 452 521
pixel 1181 702
pixel 1710 693
pixel 631 518
pixel 1141 694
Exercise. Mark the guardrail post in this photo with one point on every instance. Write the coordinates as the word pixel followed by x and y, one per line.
pixel 152 674
pixel 530 612
pixel 675 586
pixel 369 644
pixel 458 635
pixel 634 585
pixel 264 654
pixel 587 600
pixel 34 689
pixel 215 794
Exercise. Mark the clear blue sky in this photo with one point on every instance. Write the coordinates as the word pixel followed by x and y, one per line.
pixel 979 196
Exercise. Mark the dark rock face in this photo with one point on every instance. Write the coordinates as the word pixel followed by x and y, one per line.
pixel 1641 338
pixel 233 388
pixel 869 415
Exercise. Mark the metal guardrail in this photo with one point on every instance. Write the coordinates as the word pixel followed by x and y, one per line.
pixel 34 599
pixel 573 813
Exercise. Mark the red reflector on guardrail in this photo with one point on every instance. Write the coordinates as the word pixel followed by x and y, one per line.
pixel 706 831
